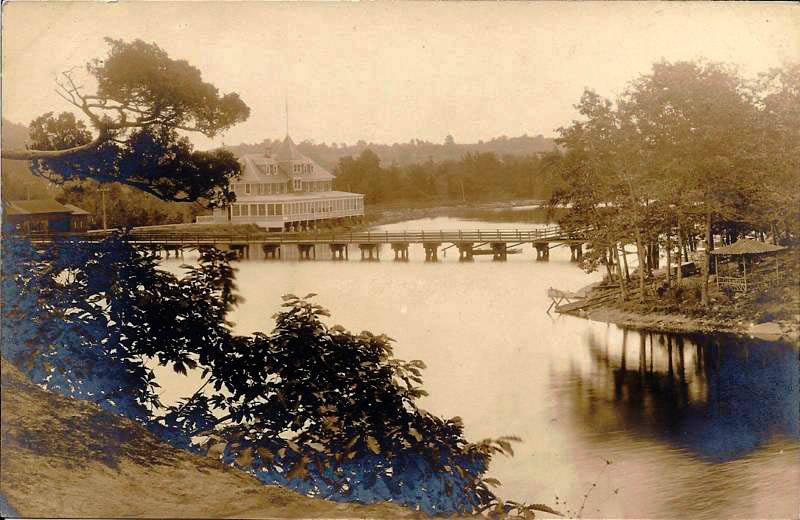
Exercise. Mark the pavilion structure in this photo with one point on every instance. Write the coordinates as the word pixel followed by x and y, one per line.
pixel 747 252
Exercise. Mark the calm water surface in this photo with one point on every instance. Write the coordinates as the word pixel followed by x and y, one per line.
pixel 648 425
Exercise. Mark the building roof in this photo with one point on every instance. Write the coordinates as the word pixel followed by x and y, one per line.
pixel 746 246
pixel 34 207
pixel 297 197
pixel 255 169
pixel 76 210
pixel 288 151
pixel 255 166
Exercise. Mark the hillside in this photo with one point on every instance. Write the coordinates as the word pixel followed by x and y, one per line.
pixel 17 180
pixel 413 152
pixel 67 458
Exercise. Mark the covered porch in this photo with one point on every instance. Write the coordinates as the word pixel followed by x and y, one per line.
pixel 748 257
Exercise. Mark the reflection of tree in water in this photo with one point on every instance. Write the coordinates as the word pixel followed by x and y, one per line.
pixel 719 397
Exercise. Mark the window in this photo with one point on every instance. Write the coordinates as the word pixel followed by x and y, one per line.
pixel 244 209
pixel 279 209
pixel 262 210
pixel 236 211
pixel 247 188
pixel 298 184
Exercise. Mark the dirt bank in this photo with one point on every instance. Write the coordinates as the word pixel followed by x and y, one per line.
pixel 67 458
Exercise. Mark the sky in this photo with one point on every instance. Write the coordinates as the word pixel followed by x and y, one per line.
pixel 390 72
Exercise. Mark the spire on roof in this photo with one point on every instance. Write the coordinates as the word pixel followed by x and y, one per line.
pixel 288 151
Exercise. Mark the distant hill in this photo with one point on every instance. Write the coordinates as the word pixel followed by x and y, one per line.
pixel 413 152
pixel 17 180
pixel 14 135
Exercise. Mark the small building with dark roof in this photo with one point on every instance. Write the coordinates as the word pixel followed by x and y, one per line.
pixel 43 216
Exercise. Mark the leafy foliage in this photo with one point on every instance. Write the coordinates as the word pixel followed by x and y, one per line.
pixel 143 100
pixel 473 177
pixel 690 149
pixel 316 408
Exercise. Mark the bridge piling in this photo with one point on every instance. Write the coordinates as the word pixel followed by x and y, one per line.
pixel 499 251
pixel 431 249
pixel 400 251
pixel 465 251
pixel 542 251
pixel 369 248
pixel 308 251
pixel 339 251
pixel 272 251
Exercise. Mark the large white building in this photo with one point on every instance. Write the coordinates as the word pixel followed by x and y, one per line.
pixel 287 191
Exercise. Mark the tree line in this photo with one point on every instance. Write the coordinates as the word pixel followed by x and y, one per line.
pixel 474 177
pixel 689 151
pixel 412 152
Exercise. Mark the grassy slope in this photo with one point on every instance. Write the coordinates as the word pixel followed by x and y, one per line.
pixel 67 458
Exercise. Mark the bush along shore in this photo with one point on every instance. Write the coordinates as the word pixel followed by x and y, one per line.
pixel 769 309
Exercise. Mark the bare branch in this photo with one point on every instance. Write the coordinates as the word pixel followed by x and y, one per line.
pixel 71 102
pixel 30 155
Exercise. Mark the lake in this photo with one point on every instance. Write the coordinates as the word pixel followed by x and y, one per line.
pixel 646 425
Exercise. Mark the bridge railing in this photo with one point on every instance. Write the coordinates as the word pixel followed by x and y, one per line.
pixel 409 236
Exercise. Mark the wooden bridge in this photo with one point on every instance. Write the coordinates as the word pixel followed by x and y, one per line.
pixel 469 243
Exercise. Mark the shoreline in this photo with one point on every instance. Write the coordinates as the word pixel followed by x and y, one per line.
pixel 390 214
pixel 682 324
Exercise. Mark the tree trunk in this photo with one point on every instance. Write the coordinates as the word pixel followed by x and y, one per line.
pixel 656 255
pixel 625 262
pixel 707 259
pixel 669 261
pixel 607 262
pixel 641 254
pixel 681 246
pixel 623 294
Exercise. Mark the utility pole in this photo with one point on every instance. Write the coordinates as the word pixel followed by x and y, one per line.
pixel 103 190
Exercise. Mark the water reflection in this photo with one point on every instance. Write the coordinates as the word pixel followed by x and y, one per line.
pixel 717 397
